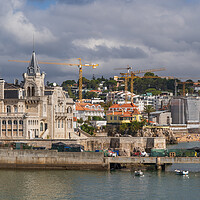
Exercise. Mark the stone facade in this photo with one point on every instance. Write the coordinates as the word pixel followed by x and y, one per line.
pixel 31 110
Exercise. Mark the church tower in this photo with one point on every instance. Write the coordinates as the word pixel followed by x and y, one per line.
pixel 33 79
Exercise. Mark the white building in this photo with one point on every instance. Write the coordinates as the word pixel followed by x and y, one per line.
pixel 31 110
pixel 85 110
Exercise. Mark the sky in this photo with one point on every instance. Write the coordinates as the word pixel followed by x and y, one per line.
pixel 144 34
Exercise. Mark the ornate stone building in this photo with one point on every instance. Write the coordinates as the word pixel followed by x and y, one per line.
pixel 32 110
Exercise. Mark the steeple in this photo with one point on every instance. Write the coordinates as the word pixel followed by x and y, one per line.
pixel 33 67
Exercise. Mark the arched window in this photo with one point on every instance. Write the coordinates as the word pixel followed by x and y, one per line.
pixel 4 122
pixel 15 122
pixel 20 122
pixel 9 122
pixel 33 91
pixel 15 109
pixel 8 109
pixel 28 91
pixel 69 110
pixel 41 126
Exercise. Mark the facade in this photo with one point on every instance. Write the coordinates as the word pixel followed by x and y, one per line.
pixel 186 112
pixel 124 107
pixel 162 118
pixel 31 110
pixel 124 113
pixel 85 110
pixel 119 117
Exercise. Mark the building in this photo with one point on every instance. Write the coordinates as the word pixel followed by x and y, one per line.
pixel 123 113
pixel 32 110
pixel 186 112
pixel 85 110
pixel 119 117
pixel 162 118
pixel 125 107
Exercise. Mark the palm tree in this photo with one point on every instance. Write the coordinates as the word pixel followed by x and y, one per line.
pixel 148 109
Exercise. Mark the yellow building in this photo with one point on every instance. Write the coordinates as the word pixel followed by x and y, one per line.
pixel 119 117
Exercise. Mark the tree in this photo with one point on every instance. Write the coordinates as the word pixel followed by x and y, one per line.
pixel 68 83
pixel 89 95
pixel 153 91
pixel 149 74
pixel 148 109
pixel 131 128
pixel 88 129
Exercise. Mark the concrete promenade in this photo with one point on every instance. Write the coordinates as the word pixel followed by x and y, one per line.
pixel 153 160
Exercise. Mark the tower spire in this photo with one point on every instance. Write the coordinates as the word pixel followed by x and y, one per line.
pixel 33 67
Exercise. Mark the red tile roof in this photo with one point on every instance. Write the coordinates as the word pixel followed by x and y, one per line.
pixel 127 105
pixel 125 114
pixel 82 107
pixel 95 91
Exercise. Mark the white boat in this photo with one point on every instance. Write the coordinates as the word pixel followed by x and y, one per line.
pixel 181 172
pixel 139 173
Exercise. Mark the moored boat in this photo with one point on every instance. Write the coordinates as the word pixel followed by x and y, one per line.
pixel 181 172
pixel 139 173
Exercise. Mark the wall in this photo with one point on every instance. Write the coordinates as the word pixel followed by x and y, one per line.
pixel 126 144
pixel 51 159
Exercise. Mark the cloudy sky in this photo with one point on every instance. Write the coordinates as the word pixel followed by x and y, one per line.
pixel 144 34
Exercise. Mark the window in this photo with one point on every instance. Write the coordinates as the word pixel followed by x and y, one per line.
pixel 15 109
pixel 115 117
pixel 28 91
pixel 4 122
pixel 20 122
pixel 15 122
pixel 62 123
pixel 69 110
pixel 110 117
pixel 9 122
pixel 58 123
pixel 33 91
pixel 41 126
pixel 8 109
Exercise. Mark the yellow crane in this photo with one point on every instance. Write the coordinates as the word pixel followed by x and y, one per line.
pixel 80 65
pixel 132 76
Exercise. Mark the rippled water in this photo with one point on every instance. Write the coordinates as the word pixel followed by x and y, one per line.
pixel 97 185
pixel 86 185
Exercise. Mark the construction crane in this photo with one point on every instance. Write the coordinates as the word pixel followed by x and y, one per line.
pixel 80 65
pixel 132 76
pixel 128 68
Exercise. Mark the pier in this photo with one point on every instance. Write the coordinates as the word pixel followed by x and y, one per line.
pixel 159 162
pixel 51 159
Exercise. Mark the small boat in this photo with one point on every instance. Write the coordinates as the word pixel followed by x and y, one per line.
pixel 181 172
pixel 139 173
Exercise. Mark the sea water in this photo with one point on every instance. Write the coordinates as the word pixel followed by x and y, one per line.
pixel 86 185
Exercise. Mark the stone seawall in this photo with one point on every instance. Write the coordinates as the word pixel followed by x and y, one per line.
pixel 126 144
pixel 45 159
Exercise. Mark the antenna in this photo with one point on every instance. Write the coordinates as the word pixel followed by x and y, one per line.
pixel 33 43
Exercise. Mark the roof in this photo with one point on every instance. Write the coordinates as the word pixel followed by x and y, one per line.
pixel 126 105
pixel 11 86
pixel 95 91
pixel 125 114
pixel 90 107
pixel 33 67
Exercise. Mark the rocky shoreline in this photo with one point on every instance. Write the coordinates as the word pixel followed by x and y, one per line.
pixel 188 137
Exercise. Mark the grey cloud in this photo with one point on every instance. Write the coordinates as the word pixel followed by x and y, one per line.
pixel 146 32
